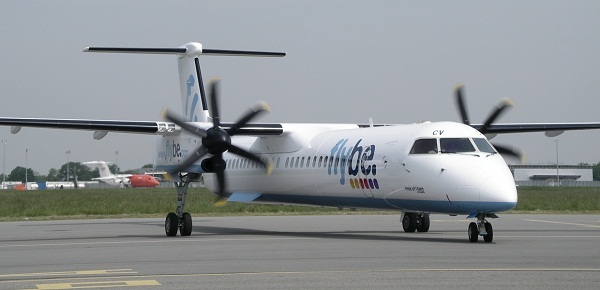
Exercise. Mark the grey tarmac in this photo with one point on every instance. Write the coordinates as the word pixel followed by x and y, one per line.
pixel 301 252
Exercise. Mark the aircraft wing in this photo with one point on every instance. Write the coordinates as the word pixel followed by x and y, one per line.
pixel 102 127
pixel 104 178
pixel 550 129
pixel 123 175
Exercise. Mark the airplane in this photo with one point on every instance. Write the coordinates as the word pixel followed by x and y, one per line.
pixel 121 180
pixel 417 169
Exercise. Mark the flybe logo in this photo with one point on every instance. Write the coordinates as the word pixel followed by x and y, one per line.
pixel 172 150
pixel 189 111
pixel 353 160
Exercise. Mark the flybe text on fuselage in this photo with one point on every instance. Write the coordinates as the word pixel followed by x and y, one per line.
pixel 353 161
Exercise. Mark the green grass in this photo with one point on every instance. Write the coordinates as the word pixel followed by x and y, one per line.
pixel 132 202
pixel 558 200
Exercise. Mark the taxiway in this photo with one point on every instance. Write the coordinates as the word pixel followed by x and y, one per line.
pixel 301 252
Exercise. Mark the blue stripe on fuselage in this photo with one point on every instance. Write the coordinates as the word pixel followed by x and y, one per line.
pixel 457 207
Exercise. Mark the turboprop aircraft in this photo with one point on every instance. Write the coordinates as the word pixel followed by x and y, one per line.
pixel 417 169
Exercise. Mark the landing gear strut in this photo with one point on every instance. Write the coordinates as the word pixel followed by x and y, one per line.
pixel 481 228
pixel 181 220
pixel 412 221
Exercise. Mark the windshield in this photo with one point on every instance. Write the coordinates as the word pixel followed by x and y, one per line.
pixel 456 145
pixel 484 145
pixel 424 146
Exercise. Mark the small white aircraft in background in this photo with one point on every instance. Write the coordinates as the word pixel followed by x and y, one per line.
pixel 121 180
pixel 417 169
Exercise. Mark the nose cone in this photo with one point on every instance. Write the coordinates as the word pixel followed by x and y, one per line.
pixel 499 192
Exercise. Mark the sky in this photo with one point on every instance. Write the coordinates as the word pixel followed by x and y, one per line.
pixel 347 61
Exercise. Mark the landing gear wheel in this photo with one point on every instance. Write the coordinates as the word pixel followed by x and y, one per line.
pixel 409 222
pixel 490 233
pixel 186 225
pixel 171 224
pixel 423 223
pixel 473 233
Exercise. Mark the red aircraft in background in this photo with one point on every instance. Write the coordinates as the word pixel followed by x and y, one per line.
pixel 122 180
pixel 143 180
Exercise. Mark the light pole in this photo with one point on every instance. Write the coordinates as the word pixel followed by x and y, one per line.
pixel 4 163
pixel 557 175
pixel 117 161
pixel 68 152
pixel 26 169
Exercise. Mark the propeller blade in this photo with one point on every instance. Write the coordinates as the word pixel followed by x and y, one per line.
pixel 166 114
pixel 195 156
pixel 214 107
pixel 243 153
pixel 510 152
pixel 460 102
pixel 251 114
pixel 221 200
pixel 500 108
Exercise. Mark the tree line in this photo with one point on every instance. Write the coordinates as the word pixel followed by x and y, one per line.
pixel 76 170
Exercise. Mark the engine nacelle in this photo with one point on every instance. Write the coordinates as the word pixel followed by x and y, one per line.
pixel 213 164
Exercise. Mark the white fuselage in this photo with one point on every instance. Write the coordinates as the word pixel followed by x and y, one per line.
pixel 347 166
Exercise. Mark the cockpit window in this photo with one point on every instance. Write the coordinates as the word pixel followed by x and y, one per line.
pixel 424 146
pixel 456 145
pixel 484 145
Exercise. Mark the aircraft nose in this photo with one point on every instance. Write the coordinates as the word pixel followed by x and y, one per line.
pixel 499 193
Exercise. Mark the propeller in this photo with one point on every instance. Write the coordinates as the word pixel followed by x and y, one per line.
pixel 216 141
pixel 498 110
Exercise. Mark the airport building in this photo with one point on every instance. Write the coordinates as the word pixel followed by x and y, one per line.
pixel 551 175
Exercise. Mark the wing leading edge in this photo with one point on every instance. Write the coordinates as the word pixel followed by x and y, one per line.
pixel 102 127
pixel 267 129
pixel 550 129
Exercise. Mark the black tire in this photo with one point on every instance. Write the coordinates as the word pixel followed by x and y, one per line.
pixel 490 233
pixel 409 222
pixel 424 222
pixel 186 225
pixel 171 224
pixel 473 233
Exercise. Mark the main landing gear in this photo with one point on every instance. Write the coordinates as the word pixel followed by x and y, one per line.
pixel 181 220
pixel 481 228
pixel 412 222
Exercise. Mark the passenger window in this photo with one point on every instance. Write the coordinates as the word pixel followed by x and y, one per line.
pixel 456 145
pixel 484 145
pixel 424 146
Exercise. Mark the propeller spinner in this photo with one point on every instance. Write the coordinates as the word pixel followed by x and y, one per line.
pixel 216 141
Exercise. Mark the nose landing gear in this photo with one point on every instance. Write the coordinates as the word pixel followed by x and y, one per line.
pixel 481 228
